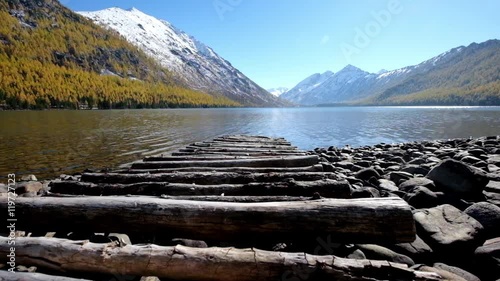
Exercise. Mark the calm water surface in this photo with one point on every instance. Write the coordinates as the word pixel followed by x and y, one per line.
pixel 49 143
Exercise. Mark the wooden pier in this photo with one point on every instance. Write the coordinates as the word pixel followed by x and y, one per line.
pixel 242 191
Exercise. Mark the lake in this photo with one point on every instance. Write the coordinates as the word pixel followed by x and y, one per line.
pixel 50 143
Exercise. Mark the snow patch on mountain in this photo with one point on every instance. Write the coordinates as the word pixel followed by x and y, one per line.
pixel 196 64
pixel 277 91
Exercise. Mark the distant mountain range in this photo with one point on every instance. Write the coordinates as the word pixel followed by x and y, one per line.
pixel 461 76
pixel 277 91
pixel 193 62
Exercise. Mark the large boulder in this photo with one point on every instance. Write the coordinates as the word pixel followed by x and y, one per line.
pixel 408 185
pixel 421 197
pixel 451 233
pixel 458 178
pixel 376 252
pixel 367 174
pixel 488 215
pixel 488 259
pixel 417 250
pixel 457 271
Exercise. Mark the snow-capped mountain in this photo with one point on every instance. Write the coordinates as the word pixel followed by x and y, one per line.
pixel 299 93
pixel 196 64
pixel 278 91
pixel 352 84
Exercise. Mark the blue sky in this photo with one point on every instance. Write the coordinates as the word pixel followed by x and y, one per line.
pixel 281 42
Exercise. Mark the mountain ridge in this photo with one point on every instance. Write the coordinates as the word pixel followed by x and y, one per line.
pixel 197 64
pixel 453 77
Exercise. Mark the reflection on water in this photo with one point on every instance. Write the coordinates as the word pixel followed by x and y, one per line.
pixel 49 143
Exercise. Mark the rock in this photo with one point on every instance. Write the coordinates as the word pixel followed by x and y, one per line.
pixel 493 186
pixel 421 197
pixel 123 239
pixel 451 233
pixel 377 252
pixel 28 187
pixel 415 170
pixel 410 184
pixel 356 255
pixel 399 176
pixel 387 185
pixel 488 259
pixel 417 250
pixel 488 215
pixel 366 174
pixel 189 243
pixel 22 268
pixel 459 178
pixel 29 178
pixel 446 275
pixel 150 278
pixel 365 192
pixel 457 271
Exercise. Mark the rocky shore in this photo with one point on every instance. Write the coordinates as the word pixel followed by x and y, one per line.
pixel 452 186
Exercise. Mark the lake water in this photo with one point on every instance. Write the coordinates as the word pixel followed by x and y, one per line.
pixel 50 143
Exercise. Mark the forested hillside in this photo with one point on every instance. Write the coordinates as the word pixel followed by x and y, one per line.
pixel 52 57
pixel 470 76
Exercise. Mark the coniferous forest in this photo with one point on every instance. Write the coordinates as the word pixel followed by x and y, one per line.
pixel 51 57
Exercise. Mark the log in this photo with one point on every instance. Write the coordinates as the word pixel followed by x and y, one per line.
pixel 196 157
pixel 326 188
pixel 221 149
pixel 280 162
pixel 242 145
pixel 364 221
pixel 202 264
pixel 252 154
pixel 205 177
pixel 241 199
pixel 315 168
pixel 31 276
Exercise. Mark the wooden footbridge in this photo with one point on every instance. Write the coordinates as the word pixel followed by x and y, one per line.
pixel 242 191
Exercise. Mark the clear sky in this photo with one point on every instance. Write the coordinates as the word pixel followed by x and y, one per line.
pixel 280 42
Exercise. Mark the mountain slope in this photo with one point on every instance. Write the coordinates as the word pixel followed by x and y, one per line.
pixel 299 93
pixel 197 64
pixel 52 57
pixel 277 91
pixel 463 75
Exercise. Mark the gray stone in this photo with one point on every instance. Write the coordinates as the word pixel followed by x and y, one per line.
pixel 450 232
pixel 387 185
pixel 459 178
pixel 29 187
pixel 417 250
pixel 29 178
pixel 365 192
pixel 368 173
pixel 410 184
pixel 189 243
pixel 399 176
pixel 488 259
pixel 356 255
pixel 415 170
pixel 488 215
pixel 457 271
pixel 421 197
pixel 376 252
pixel 446 275
pixel 123 239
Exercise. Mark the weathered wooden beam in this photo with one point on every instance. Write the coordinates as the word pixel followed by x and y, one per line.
pixel 223 150
pixel 315 168
pixel 209 178
pixel 243 145
pixel 381 220
pixel 197 157
pixel 278 162
pixel 251 154
pixel 32 276
pixel 325 188
pixel 202 264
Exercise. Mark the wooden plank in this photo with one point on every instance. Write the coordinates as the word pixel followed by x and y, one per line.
pixel 205 177
pixel 325 188
pixel 32 276
pixel 278 162
pixel 381 220
pixel 252 154
pixel 242 145
pixel 202 264
pixel 315 168
pixel 220 150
